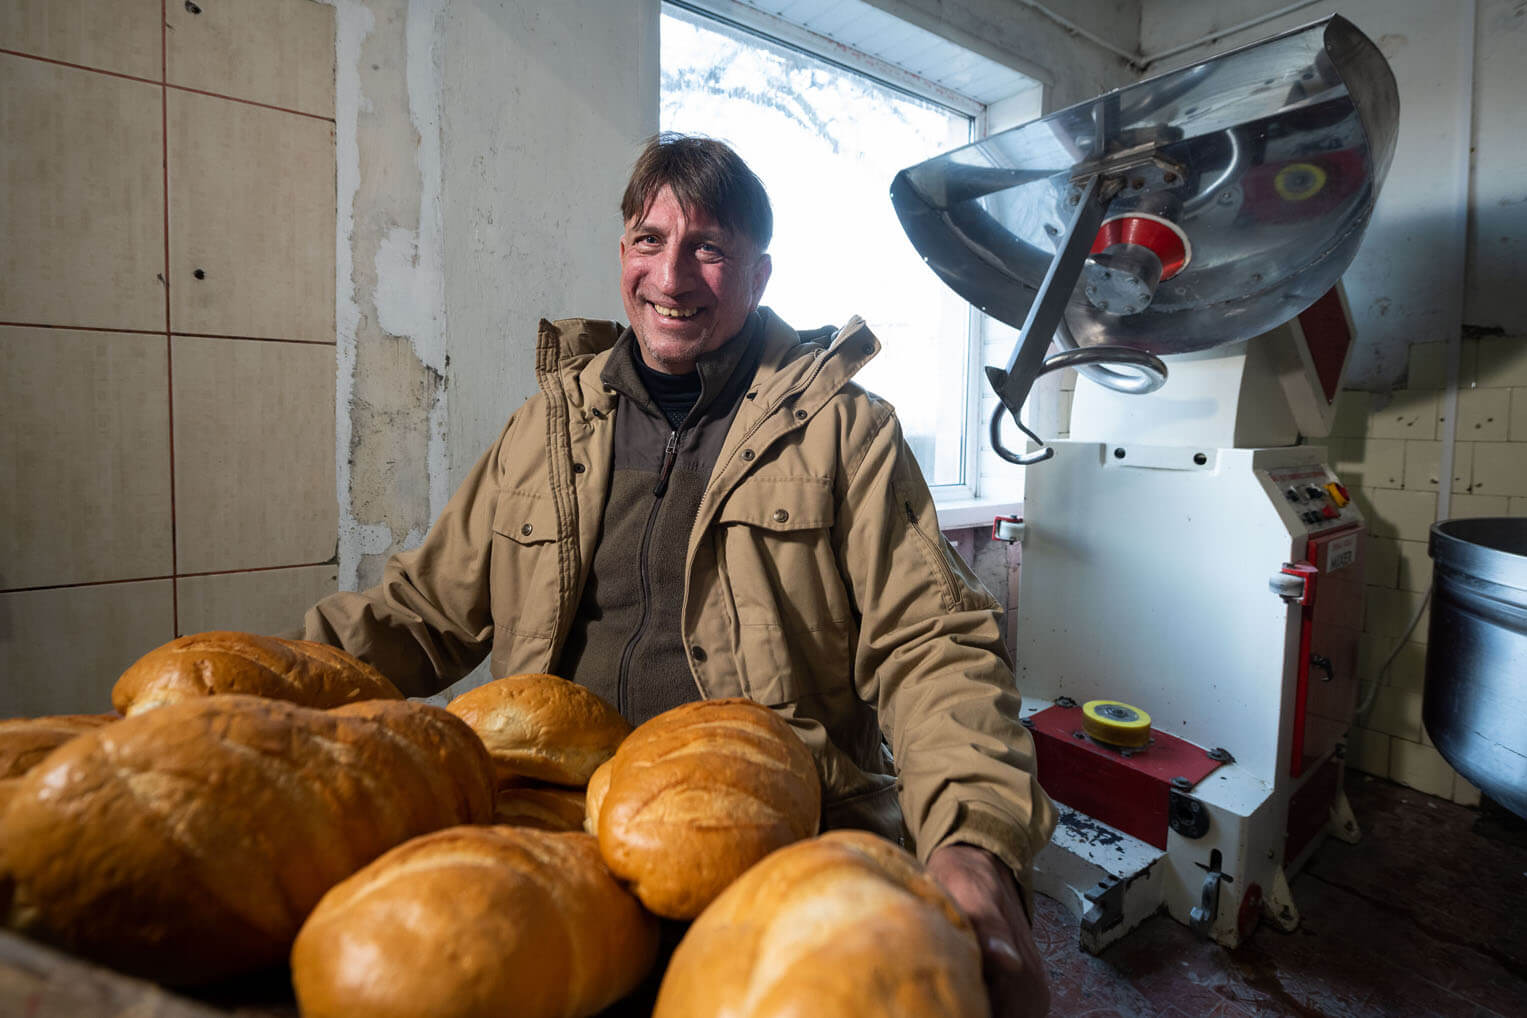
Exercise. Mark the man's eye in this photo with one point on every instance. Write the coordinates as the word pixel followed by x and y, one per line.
pixel 710 252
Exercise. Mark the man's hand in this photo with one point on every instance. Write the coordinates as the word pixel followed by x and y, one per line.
pixel 985 890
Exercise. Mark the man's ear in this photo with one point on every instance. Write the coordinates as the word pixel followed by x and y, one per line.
pixel 622 244
pixel 762 270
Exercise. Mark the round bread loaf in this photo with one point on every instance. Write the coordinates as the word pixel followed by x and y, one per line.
pixel 839 926
pixel 542 727
pixel 24 742
pixel 188 843
pixel 700 793
pixel 475 922
pixel 593 796
pixel 544 807
pixel 299 671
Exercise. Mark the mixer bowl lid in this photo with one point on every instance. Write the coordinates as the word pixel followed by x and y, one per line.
pixel 1270 158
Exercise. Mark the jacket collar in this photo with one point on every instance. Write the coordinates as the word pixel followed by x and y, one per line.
pixel 575 351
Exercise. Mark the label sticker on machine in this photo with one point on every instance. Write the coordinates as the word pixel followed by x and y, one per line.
pixel 1341 553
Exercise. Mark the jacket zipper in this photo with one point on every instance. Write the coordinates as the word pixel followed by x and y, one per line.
pixel 644 578
pixel 935 559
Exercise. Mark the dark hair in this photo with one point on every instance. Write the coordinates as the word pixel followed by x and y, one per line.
pixel 705 174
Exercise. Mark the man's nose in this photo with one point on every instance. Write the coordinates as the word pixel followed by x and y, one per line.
pixel 675 270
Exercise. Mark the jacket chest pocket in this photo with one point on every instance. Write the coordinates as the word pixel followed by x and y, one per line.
pixel 524 573
pixel 775 552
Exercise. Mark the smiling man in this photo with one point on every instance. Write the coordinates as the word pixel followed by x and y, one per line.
pixel 703 504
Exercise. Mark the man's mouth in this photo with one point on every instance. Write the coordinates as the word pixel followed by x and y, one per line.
pixel 672 312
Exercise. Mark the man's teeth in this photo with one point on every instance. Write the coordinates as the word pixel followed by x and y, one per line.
pixel 668 312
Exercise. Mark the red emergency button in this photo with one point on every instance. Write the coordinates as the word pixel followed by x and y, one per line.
pixel 1329 512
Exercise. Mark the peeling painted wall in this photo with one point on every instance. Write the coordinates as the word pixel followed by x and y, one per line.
pixel 1072 68
pixel 481 151
pixel 546 107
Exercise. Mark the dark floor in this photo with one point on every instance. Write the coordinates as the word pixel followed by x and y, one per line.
pixel 1426 916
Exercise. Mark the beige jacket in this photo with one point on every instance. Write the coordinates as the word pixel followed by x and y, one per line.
pixel 818 584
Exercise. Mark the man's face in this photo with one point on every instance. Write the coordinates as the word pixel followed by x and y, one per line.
pixel 688 283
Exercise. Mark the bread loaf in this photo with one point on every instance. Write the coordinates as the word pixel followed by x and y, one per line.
pixel 545 807
pixel 839 926
pixel 700 793
pixel 475 922
pixel 593 796
pixel 189 843
pixel 542 727
pixel 306 673
pixel 24 742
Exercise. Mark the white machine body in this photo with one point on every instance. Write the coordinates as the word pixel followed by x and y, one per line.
pixel 1155 547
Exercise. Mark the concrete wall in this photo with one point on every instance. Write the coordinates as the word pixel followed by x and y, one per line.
pixel 482 149
pixel 1072 67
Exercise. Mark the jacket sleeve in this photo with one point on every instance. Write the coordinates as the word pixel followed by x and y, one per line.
pixel 932 659
pixel 429 621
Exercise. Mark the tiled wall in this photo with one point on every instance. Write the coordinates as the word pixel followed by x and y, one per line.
pixel 1389 452
pixel 166 328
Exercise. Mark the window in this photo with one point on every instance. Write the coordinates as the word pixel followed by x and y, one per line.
pixel 827 139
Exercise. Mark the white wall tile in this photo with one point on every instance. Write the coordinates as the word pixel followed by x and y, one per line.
pixel 1409 415
pixel 1381 568
pixel 270 601
pixel 1503 361
pixel 1368 751
pixel 252 208
pixel 1500 468
pixel 62 649
pixel 1423 769
pixel 1484 415
pixel 111 35
pixel 254 454
pixel 1368 462
pixel 1415 571
pixel 277 52
pixel 1403 514
pixel 84 457
pixel 82 221
pixel 1472 506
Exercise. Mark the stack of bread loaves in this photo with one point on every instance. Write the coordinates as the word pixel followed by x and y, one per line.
pixel 327 820
pixel 189 843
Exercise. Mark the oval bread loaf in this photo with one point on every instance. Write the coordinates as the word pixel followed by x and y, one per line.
pixel 475 922
pixel 545 807
pixel 189 843
pixel 542 727
pixel 24 742
pixel 839 926
pixel 299 671
pixel 700 793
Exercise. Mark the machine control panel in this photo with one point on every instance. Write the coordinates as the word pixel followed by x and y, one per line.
pixel 1316 499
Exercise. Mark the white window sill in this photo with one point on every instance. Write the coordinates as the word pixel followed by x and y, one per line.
pixel 960 514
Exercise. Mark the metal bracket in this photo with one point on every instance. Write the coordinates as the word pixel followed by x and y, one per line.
pixel 1201 917
pixel 1186 815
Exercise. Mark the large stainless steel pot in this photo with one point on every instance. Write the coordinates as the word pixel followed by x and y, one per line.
pixel 1475 706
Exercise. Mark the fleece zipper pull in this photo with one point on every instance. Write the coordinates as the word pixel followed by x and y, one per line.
pixel 670 453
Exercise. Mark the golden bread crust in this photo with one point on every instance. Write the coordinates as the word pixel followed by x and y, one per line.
pixel 203 664
pixel 474 922
pixel 542 727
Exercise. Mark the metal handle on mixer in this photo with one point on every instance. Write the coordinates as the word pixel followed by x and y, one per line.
pixel 1152 376
pixel 1136 382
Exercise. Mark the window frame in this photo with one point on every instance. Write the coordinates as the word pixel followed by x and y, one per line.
pixel 959 505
